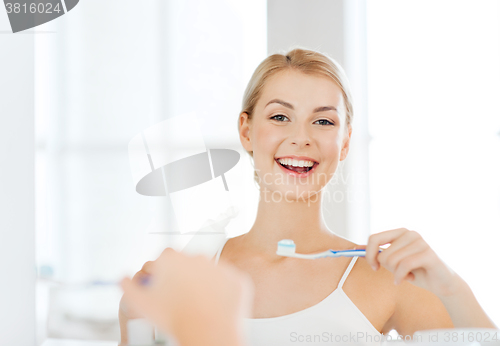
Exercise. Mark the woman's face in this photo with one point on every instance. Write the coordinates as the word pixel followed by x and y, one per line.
pixel 297 116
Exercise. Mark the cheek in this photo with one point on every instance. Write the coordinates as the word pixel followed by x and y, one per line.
pixel 265 138
pixel 262 146
pixel 330 147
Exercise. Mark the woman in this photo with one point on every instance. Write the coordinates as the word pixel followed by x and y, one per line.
pixel 296 124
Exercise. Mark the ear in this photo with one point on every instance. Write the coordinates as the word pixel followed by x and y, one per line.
pixel 245 127
pixel 345 146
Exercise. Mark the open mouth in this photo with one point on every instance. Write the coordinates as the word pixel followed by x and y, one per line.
pixel 299 170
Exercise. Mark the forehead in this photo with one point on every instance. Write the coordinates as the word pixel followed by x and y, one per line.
pixel 302 90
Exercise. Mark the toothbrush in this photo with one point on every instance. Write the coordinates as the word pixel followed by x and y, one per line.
pixel 144 281
pixel 286 247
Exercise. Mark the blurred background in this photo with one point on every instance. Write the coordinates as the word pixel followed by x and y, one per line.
pixel 425 150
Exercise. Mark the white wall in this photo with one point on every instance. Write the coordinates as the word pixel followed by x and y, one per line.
pixel 17 216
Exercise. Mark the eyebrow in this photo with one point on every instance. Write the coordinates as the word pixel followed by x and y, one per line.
pixel 288 105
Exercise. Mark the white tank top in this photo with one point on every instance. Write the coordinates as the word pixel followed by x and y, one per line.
pixel 335 320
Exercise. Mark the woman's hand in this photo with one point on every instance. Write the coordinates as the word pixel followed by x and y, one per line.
pixel 194 300
pixel 125 312
pixel 410 258
pixel 128 311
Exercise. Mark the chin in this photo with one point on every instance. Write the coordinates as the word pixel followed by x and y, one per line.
pixel 291 193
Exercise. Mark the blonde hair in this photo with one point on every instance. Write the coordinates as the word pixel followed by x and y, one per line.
pixel 299 59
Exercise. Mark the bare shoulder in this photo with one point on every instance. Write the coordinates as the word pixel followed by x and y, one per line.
pixel 409 307
pixel 418 309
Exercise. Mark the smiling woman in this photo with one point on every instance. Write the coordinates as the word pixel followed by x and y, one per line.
pixel 298 142
pixel 311 64
pixel 296 124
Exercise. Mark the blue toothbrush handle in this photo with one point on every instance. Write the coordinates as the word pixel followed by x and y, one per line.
pixel 351 253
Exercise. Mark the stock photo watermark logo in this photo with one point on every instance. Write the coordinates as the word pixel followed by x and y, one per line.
pixel 170 159
pixel 26 14
pixel 351 338
pixel 309 189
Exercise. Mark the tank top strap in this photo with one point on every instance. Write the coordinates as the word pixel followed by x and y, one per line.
pixel 220 251
pixel 347 271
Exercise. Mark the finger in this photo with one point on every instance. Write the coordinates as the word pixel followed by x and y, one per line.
pixel 377 239
pixel 168 250
pixel 147 267
pixel 398 239
pixel 167 255
pixel 410 277
pixel 401 242
pixel 144 272
pixel 134 295
pixel 410 264
pixel 392 256
pixel 141 277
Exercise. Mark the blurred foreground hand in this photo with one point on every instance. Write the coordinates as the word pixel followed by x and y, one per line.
pixel 192 299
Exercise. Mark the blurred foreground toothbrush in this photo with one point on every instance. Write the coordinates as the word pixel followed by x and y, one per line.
pixel 286 247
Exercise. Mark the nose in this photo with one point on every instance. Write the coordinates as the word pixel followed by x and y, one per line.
pixel 301 136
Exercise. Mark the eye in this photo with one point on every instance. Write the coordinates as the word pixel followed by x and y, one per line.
pixel 278 115
pixel 327 122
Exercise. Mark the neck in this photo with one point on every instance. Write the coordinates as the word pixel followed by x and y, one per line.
pixel 298 220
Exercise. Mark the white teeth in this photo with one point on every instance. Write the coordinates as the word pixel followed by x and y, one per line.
pixel 296 163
